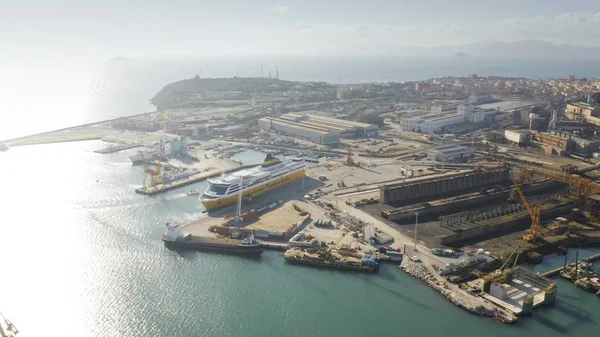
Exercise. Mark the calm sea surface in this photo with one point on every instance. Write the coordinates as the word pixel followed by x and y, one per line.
pixel 82 256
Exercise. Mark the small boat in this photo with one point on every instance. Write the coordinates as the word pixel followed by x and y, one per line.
pixel 193 192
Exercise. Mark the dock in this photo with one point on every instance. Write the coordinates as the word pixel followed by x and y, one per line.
pixel 117 148
pixel 556 271
pixel 149 190
pixel 274 246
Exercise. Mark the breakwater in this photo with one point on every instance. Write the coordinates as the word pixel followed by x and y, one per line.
pixel 474 305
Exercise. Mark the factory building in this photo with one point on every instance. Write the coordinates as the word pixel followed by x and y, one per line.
pixel 317 129
pixel 232 130
pixel 312 133
pixel 554 143
pixel 346 128
pixel 441 118
pixel 587 111
pixel 481 98
pixel 585 147
pixel 450 153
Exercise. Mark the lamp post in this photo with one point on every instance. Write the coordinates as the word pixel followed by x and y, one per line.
pixel 416 222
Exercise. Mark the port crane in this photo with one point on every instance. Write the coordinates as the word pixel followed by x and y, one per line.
pixel 534 212
pixel 578 186
pixel 9 329
pixel 237 225
pixel 154 169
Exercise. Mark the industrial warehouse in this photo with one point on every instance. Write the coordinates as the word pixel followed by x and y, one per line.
pixel 317 129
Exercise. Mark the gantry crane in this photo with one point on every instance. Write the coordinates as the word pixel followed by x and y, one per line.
pixel 579 187
pixel 534 212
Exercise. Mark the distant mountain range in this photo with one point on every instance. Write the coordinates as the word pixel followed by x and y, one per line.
pixel 518 49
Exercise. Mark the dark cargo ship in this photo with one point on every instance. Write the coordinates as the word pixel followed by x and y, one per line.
pixel 175 238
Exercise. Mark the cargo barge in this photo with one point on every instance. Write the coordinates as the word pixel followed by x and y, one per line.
pixel 175 238
pixel 328 259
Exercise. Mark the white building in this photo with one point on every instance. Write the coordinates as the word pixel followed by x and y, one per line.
pixel 435 121
pixel 475 115
pixel 517 136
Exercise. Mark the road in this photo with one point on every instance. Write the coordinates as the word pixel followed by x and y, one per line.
pixel 400 240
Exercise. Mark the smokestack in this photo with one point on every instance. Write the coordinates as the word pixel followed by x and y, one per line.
pixel 277 72
pixel 261 69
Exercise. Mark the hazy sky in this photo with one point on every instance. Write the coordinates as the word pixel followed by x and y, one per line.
pixel 106 28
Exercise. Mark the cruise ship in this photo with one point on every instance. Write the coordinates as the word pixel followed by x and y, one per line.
pixel 272 173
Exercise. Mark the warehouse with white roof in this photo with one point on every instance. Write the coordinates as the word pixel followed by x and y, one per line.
pixel 317 129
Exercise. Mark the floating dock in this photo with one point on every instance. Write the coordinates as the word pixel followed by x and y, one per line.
pixel 117 148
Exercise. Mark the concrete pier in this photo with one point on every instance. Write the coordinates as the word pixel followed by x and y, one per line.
pixel 554 272
pixel 149 190
pixel 117 148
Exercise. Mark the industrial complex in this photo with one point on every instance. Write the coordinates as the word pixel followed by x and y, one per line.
pixel 457 181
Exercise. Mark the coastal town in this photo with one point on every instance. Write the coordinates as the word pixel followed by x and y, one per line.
pixel 457 181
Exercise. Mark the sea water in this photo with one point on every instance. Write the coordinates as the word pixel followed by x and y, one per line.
pixel 82 256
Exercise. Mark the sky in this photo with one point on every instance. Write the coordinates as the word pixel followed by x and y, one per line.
pixel 100 29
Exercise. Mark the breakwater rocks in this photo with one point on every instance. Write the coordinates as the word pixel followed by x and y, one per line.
pixel 419 271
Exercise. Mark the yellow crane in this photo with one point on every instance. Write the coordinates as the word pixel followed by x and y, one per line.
pixel 580 187
pixel 534 212
pixel 154 169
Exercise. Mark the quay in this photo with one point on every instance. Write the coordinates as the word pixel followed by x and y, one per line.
pixel 117 148
pixel 153 190
pixel 274 246
pixel 556 271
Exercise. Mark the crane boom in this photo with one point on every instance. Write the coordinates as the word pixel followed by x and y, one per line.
pixel 530 210
pixel 535 213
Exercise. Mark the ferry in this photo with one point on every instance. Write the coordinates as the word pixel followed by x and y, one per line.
pixel 272 173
